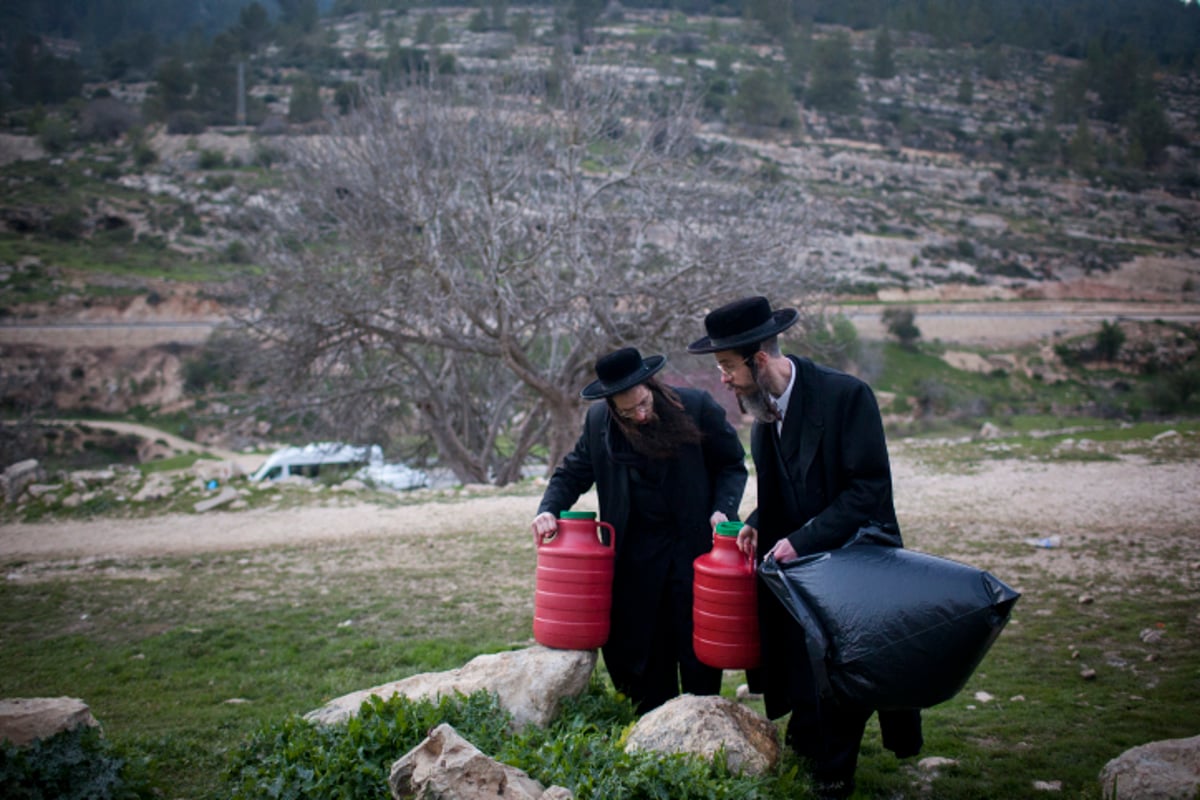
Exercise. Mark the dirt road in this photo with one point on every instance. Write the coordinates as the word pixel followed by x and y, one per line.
pixel 1145 509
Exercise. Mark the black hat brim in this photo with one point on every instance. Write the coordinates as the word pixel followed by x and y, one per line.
pixel 779 322
pixel 598 389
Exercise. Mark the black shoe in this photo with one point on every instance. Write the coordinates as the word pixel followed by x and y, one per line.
pixel 833 790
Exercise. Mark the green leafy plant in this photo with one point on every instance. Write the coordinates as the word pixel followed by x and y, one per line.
pixel 299 759
pixel 79 764
pixel 582 750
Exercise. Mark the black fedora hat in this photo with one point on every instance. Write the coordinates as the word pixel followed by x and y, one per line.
pixel 741 323
pixel 620 370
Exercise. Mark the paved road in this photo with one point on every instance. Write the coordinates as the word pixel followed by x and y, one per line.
pixel 1015 323
pixel 971 323
pixel 106 334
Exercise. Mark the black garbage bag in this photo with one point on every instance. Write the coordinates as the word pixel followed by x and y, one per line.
pixel 891 628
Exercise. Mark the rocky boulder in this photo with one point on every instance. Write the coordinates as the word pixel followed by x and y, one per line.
pixel 447 765
pixel 1163 770
pixel 703 726
pixel 26 719
pixel 530 684
pixel 17 476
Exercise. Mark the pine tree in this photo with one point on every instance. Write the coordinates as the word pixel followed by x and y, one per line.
pixel 883 62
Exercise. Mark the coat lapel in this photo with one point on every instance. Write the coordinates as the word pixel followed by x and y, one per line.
pixel 803 426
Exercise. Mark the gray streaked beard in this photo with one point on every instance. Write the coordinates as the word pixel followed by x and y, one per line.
pixel 662 437
pixel 759 404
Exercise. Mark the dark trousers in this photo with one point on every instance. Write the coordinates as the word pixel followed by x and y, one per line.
pixel 829 735
pixel 828 731
pixel 671 660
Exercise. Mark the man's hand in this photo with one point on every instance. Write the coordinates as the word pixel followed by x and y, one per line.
pixel 747 541
pixel 783 551
pixel 717 517
pixel 544 526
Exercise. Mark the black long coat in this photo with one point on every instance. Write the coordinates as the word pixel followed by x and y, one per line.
pixel 705 477
pixel 823 478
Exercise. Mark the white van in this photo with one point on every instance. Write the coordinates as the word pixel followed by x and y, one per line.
pixel 367 461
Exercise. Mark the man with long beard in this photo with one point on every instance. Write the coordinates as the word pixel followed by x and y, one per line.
pixel 823 473
pixel 667 467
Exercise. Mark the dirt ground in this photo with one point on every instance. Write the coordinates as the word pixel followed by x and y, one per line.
pixel 1129 519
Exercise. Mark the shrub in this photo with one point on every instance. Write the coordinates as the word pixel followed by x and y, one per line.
pixel 211 159
pixel 296 758
pixel 144 155
pixel 106 118
pixel 78 764
pixel 66 226
pixel 54 135
pixel 1109 340
pixel 186 123
pixel 900 324
pixel 582 750
pixel 217 365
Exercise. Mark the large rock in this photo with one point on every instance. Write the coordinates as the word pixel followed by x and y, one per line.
pixel 530 684
pixel 704 725
pixel 1164 770
pixel 27 719
pixel 17 476
pixel 447 765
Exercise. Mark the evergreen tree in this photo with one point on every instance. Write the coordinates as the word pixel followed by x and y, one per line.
pixel 883 63
pixel 1081 149
pixel 966 91
pixel 763 100
pixel 1149 133
pixel 834 84
pixel 305 103
pixel 253 28
pixel 173 83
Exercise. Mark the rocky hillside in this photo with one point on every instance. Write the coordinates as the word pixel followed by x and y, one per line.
pixel 956 178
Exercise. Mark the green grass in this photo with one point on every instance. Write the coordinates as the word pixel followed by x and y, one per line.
pixel 183 659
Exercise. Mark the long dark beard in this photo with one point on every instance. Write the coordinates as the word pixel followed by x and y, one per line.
pixel 661 437
pixel 759 403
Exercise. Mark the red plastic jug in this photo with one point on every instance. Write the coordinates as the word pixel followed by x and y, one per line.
pixel 574 584
pixel 725 604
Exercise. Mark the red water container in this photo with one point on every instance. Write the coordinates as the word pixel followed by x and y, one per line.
pixel 725 604
pixel 574 584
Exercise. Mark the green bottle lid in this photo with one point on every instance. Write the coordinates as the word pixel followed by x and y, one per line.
pixel 577 515
pixel 729 528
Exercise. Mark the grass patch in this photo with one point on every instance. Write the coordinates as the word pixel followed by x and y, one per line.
pixel 189 663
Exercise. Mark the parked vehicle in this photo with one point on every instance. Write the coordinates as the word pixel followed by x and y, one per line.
pixel 362 462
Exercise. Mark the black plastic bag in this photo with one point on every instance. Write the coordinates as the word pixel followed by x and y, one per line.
pixel 891 628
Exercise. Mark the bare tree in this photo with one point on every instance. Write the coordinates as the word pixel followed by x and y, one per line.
pixel 453 259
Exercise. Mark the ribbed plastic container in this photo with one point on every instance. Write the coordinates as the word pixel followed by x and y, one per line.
pixel 574 584
pixel 725 604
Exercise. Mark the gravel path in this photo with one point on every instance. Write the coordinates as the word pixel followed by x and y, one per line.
pixel 994 506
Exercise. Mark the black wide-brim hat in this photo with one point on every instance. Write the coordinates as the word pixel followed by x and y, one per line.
pixel 742 323
pixel 620 370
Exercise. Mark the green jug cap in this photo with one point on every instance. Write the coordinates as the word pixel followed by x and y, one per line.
pixel 577 515
pixel 729 528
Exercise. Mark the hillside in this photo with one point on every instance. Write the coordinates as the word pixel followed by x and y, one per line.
pixel 959 174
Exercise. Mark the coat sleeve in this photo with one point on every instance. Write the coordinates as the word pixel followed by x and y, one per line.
pixel 574 476
pixel 724 456
pixel 861 475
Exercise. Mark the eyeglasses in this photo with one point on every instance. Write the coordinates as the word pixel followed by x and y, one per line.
pixel 643 406
pixel 727 371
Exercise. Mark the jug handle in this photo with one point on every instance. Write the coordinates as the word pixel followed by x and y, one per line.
pixel 612 534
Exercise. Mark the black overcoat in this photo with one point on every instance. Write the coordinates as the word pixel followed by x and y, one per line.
pixel 821 480
pixel 705 477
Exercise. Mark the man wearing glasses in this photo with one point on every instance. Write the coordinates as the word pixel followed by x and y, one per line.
pixel 667 467
pixel 823 473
